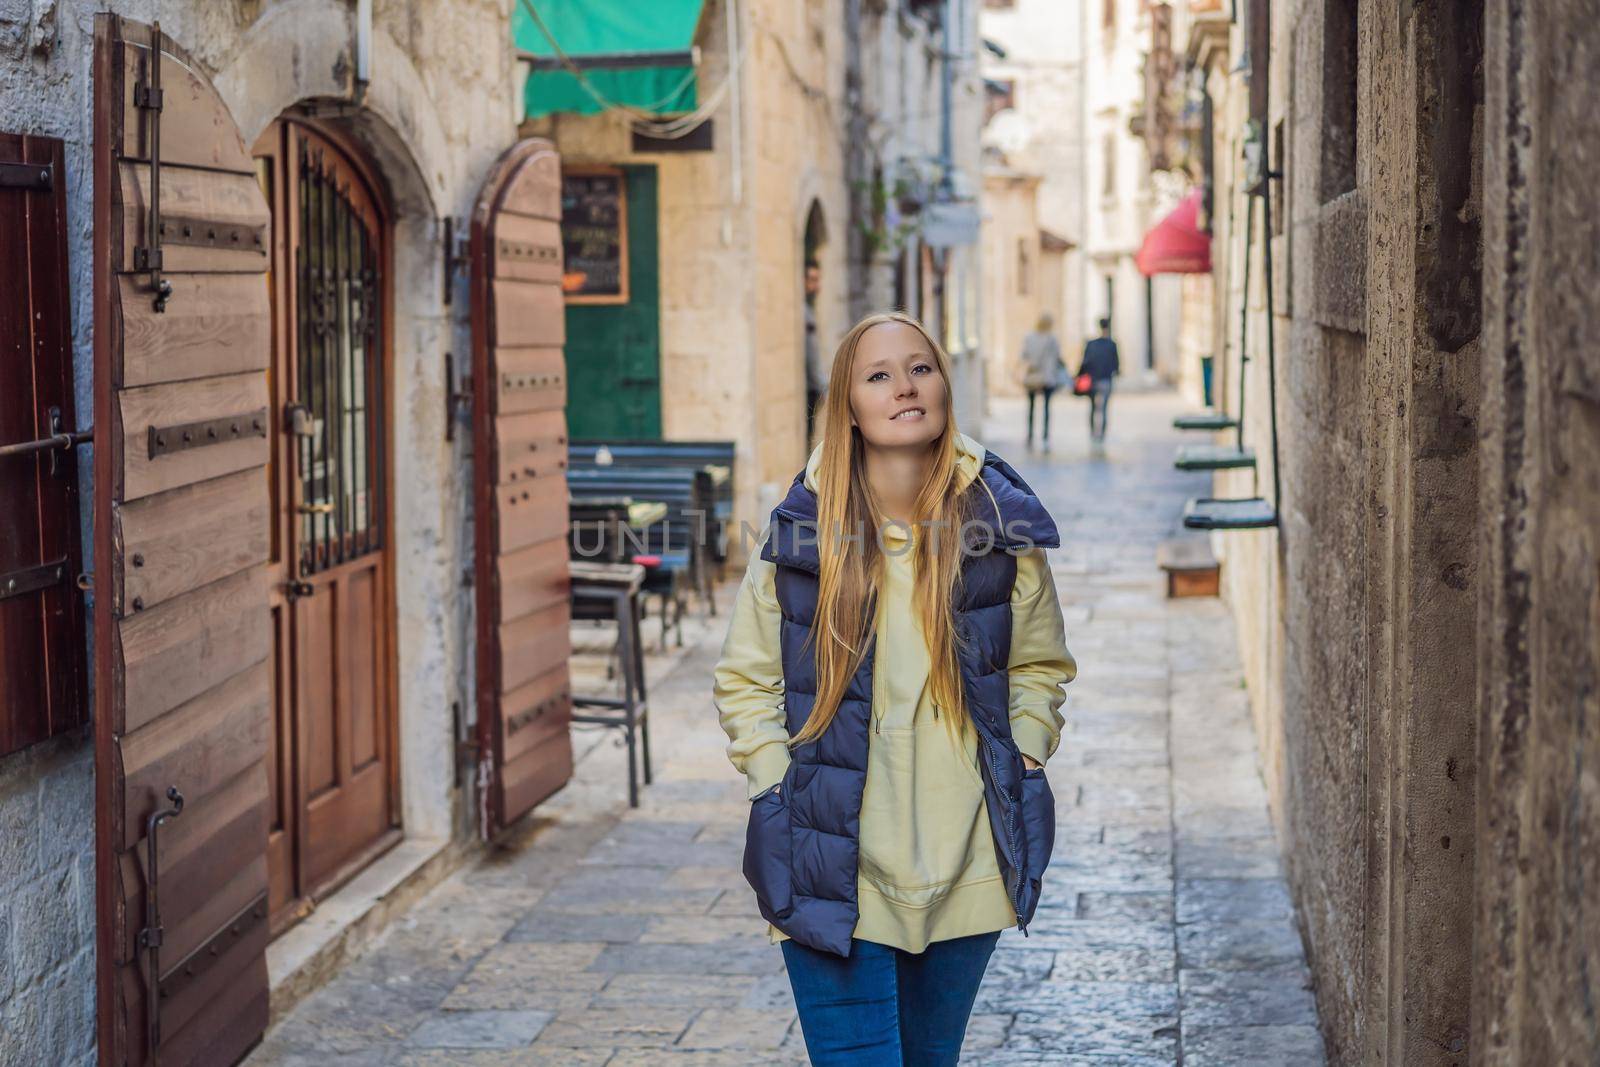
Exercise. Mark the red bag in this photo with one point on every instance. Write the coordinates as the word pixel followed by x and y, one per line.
pixel 1082 385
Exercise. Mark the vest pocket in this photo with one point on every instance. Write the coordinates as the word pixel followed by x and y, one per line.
pixel 767 853
pixel 1039 834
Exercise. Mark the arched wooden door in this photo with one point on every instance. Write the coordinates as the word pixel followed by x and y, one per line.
pixel 182 344
pixel 333 764
pixel 520 492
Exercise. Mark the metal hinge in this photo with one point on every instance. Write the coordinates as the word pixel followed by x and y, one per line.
pixel 456 401
pixel 163 440
pixel 147 96
pixel 38 176
pixel 455 254
pixel 152 935
pixel 32 579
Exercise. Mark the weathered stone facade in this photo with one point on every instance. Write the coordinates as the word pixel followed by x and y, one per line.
pixel 1418 632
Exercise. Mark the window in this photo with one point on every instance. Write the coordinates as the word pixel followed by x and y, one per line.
pixel 998 94
pixel 1108 16
pixel 41 610
pixel 1339 98
pixel 1108 149
pixel 1023 266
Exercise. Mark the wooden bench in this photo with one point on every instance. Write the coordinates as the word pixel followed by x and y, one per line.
pixel 1191 568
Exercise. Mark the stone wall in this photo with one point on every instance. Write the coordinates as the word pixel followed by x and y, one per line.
pixel 1537 945
pixel 47 905
pixel 1419 631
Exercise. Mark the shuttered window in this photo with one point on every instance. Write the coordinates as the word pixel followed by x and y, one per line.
pixel 42 637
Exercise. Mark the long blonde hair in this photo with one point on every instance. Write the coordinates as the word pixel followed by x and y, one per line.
pixel 848 521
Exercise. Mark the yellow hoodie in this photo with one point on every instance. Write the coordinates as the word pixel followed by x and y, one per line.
pixel 928 869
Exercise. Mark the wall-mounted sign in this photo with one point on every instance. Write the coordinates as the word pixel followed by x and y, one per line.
pixel 949 223
pixel 594 236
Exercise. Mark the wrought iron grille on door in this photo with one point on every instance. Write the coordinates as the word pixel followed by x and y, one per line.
pixel 338 421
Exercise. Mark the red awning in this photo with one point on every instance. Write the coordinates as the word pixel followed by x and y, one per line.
pixel 1175 245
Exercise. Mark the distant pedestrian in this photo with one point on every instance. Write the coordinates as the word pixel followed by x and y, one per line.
pixel 900 817
pixel 1042 371
pixel 1101 364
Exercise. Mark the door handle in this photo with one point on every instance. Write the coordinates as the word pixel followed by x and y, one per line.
pixel 297 420
pixel 296 590
pixel 316 509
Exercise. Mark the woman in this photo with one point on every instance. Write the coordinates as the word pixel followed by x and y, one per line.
pixel 1042 371
pixel 891 696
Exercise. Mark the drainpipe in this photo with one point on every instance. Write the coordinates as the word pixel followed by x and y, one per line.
pixel 947 162
pixel 946 86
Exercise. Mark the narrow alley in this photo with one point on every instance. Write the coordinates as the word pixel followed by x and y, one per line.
pixel 617 937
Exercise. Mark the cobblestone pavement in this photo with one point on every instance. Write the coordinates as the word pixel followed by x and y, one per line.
pixel 617 937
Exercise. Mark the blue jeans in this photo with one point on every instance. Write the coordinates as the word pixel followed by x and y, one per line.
pixel 882 1007
pixel 1099 401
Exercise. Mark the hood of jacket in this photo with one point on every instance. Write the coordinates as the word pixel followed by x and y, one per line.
pixel 1022 521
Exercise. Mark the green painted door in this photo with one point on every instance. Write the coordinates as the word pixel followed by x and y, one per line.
pixel 614 350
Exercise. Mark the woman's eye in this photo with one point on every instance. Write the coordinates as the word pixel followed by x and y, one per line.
pixel 875 375
pixel 921 367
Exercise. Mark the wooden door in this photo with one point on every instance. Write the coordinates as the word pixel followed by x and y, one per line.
pixel 519 398
pixel 182 637
pixel 333 782
pixel 614 350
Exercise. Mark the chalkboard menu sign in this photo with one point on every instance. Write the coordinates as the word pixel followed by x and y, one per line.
pixel 594 236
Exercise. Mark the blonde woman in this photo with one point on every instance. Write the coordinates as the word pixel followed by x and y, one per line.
pixel 891 691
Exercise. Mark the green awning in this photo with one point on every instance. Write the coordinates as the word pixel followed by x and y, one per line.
pixel 641 50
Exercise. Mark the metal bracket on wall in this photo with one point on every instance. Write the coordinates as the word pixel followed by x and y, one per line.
pixel 456 401
pixel 164 440
pixel 455 256
pixel 466 741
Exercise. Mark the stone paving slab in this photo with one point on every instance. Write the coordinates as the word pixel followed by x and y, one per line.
pixel 599 936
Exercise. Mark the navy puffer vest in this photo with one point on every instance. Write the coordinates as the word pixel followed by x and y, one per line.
pixel 802 843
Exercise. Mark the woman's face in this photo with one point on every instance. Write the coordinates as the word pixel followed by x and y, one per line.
pixel 897 395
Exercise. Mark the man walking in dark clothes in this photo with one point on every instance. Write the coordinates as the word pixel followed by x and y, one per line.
pixel 1101 364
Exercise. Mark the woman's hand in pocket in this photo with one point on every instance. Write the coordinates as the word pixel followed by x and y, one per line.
pixel 1030 764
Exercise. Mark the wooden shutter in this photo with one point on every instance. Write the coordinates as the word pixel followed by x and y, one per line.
pixel 42 646
pixel 182 635
pixel 520 444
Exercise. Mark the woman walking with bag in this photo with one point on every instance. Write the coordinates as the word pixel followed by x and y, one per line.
pixel 890 685
pixel 1043 372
